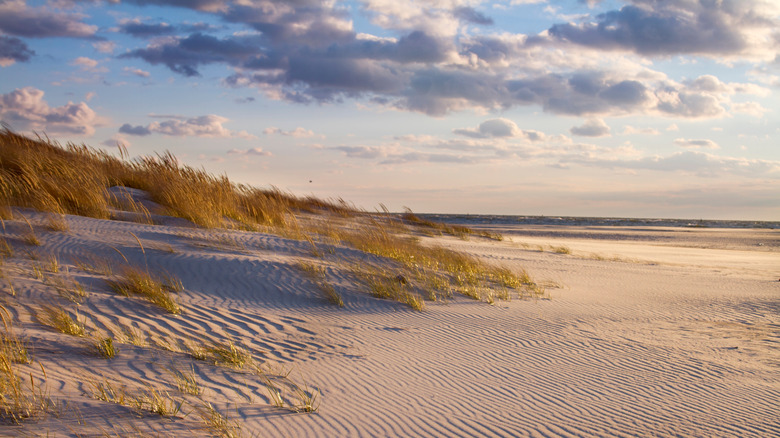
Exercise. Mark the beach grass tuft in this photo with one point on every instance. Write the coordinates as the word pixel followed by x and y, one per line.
pixel 134 281
pixel 318 274
pixel 61 320
pixel 220 425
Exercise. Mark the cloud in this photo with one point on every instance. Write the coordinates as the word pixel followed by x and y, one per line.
pixel 308 52
pixel 198 5
pixel 395 155
pixel 134 130
pixel 693 162
pixel 259 152
pixel 696 144
pixel 592 128
pixel 26 108
pixel 139 29
pixel 751 108
pixel 185 55
pixel 631 130
pixel 175 126
pixel 471 15
pixel 500 128
pixel 115 140
pixel 651 28
pixel 104 46
pixel 492 128
pixel 84 62
pixel 13 50
pixel 17 19
pixel 298 132
pixel 137 72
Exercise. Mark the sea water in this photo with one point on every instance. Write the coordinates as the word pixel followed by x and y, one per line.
pixel 481 219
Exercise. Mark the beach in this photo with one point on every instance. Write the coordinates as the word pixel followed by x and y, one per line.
pixel 642 331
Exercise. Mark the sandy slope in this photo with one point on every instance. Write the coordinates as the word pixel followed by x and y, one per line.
pixel 679 337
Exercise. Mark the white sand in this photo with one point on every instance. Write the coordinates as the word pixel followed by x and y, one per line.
pixel 679 337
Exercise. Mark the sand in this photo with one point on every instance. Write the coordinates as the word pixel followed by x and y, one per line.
pixel 649 332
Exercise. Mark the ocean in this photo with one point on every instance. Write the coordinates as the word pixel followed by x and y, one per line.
pixel 482 219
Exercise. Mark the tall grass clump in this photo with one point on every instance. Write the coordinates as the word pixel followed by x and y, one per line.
pixel 435 268
pixel 18 401
pixel 60 320
pixel 134 281
pixel 319 276
pixel 221 353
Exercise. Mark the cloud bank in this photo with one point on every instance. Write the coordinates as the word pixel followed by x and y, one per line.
pixel 25 108
pixel 309 52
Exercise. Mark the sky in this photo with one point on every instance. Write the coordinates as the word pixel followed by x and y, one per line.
pixel 632 108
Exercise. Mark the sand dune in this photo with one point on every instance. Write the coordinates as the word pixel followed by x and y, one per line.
pixel 652 333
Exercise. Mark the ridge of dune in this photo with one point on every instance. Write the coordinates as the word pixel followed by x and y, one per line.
pixel 683 346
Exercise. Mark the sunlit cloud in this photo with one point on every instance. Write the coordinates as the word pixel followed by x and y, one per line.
pixel 25 108
pixel 201 126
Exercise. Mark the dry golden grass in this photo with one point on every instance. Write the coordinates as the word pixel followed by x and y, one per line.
pixel 319 276
pixel 74 179
pixel 219 425
pixel 220 353
pixel 60 320
pixel 134 281
pixel 18 401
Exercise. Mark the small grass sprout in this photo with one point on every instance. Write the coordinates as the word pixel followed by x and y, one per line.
pixel 105 347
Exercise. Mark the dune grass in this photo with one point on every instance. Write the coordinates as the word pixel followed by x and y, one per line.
pixel 186 382
pixel 61 320
pixel 150 399
pixel 74 179
pixel 18 401
pixel 319 276
pixel 220 425
pixel 220 353
pixel 135 281
pixel 105 347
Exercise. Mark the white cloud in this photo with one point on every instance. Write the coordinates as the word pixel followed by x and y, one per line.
pixel 693 162
pixel 178 126
pixel 258 152
pixel 592 128
pixel 202 126
pixel 754 109
pixel 104 46
pixel 501 128
pixel 631 130
pixel 298 132
pixel 696 144
pixel 26 109
pixel 137 72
